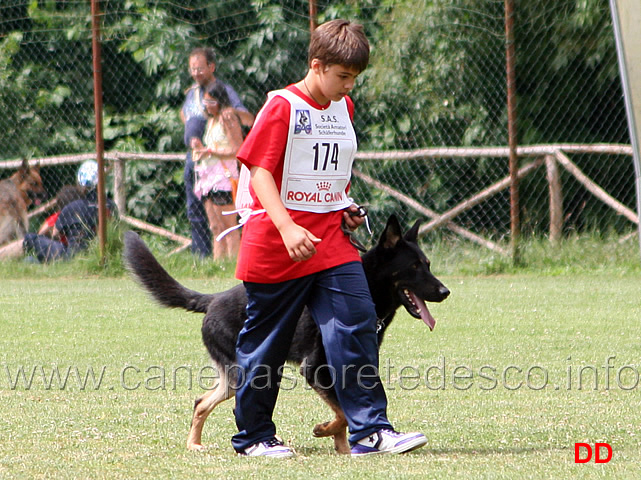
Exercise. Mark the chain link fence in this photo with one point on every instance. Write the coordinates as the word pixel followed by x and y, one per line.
pixel 430 109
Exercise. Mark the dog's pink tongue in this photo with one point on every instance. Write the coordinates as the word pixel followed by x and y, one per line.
pixel 426 316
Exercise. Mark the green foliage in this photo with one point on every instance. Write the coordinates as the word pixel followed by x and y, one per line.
pixel 273 55
pixel 576 82
pixel 156 195
pixel 589 253
pixel 107 262
pixel 422 86
pixel 436 77
pixel 592 254
pixel 111 264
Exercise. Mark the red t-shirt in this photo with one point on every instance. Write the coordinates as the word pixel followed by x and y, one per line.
pixel 51 222
pixel 263 257
pixel 51 219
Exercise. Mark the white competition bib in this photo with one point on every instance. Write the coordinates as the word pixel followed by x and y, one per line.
pixel 318 159
pixel 320 151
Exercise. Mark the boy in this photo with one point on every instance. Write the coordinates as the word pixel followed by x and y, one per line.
pixel 294 254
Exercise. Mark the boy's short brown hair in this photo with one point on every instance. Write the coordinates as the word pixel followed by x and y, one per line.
pixel 340 42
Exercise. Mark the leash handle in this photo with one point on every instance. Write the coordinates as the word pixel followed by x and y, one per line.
pixel 360 212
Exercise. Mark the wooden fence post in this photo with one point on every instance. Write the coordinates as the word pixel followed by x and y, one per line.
pixel 120 196
pixel 556 199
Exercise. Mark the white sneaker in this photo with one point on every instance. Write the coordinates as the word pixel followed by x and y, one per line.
pixel 273 448
pixel 388 441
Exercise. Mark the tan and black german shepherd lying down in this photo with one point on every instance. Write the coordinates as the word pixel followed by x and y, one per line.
pixel 398 273
pixel 17 193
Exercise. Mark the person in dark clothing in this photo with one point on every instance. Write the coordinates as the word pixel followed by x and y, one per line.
pixel 74 228
pixel 65 196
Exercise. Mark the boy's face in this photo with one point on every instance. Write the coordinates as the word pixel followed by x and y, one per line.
pixel 336 81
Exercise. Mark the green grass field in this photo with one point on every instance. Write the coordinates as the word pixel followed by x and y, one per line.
pixel 520 368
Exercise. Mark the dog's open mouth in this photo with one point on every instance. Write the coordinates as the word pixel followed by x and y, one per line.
pixel 417 308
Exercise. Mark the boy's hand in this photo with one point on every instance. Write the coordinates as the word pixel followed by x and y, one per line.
pixel 353 217
pixel 300 242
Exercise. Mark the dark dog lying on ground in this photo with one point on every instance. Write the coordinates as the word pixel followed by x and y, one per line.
pixel 17 193
pixel 398 273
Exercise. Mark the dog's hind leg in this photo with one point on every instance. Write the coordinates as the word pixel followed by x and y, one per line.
pixel 319 379
pixel 336 427
pixel 203 407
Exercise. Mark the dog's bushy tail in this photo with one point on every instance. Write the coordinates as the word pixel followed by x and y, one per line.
pixel 163 288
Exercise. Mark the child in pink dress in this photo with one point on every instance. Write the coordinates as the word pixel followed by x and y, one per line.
pixel 216 169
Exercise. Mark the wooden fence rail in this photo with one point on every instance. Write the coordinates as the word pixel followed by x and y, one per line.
pixel 549 155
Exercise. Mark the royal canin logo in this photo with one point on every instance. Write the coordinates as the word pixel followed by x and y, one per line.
pixel 323 186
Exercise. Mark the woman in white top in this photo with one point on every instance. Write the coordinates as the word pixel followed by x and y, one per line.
pixel 216 168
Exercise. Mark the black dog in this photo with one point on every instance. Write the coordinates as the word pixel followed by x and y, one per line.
pixel 398 273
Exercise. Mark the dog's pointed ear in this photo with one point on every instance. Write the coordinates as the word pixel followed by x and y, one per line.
pixel 412 233
pixel 392 233
pixel 24 167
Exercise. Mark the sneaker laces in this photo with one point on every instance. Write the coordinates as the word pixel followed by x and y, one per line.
pixel 273 442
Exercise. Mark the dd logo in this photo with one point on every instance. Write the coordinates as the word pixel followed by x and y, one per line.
pixel 588 453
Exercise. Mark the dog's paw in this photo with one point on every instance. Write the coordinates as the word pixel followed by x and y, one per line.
pixel 320 430
pixel 326 429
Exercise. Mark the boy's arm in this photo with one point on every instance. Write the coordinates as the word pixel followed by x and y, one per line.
pixel 300 242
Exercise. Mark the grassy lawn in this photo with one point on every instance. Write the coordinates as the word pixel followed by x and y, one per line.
pixel 519 368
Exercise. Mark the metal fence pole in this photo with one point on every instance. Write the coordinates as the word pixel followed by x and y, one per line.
pixel 100 147
pixel 512 132
pixel 312 15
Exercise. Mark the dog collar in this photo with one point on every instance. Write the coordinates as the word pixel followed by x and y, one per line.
pixel 379 324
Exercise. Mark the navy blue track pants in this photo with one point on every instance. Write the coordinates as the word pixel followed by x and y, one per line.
pixel 341 305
